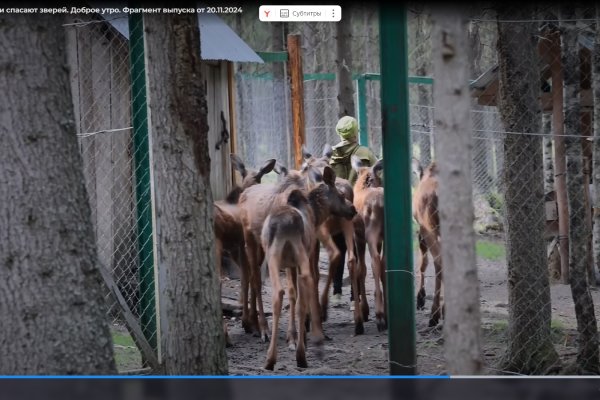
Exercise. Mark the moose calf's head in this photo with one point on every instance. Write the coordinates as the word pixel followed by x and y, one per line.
pixel 250 178
pixel 367 176
pixel 327 197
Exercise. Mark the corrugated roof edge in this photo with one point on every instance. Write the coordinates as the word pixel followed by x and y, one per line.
pixel 218 41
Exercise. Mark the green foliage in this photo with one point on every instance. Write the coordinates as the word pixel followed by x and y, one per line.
pixel 496 201
pixel 489 250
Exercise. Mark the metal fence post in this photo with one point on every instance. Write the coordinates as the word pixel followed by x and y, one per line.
pixel 397 194
pixel 363 124
pixel 147 307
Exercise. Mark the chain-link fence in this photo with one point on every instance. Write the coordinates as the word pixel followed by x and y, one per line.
pixel 532 188
pixel 116 169
pixel 263 120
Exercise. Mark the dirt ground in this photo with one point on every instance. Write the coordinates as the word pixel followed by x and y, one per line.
pixel 348 354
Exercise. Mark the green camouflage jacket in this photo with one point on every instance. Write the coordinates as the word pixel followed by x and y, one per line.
pixel 340 160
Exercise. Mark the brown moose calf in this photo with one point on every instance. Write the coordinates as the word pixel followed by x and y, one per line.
pixel 288 237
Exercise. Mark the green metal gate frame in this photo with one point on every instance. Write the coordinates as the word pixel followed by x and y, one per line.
pixel 141 150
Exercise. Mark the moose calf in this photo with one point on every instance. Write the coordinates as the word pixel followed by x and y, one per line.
pixel 289 236
pixel 368 200
pixel 425 212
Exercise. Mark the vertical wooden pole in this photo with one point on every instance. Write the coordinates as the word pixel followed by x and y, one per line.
pixel 560 160
pixel 586 127
pixel 297 83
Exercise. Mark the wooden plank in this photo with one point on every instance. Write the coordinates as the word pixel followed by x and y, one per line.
pixel 141 371
pixel 232 114
pixel 297 88
pixel 225 165
pixel 211 76
pixel 99 119
pixel 130 320
pixel 551 211
pixel 73 63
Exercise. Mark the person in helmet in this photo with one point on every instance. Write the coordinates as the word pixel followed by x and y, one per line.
pixel 347 129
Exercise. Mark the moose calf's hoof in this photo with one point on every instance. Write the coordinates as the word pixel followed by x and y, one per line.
pixel 247 326
pixel 421 299
pixel 323 313
pixel 319 350
pixel 381 324
pixel 270 365
pixel 365 314
pixel 359 328
pixel 301 362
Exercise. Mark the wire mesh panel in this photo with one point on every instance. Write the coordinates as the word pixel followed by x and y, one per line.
pixel 264 123
pixel 98 56
pixel 321 113
pixel 535 81
pixel 532 167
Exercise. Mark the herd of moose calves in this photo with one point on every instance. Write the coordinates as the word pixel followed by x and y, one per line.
pixel 285 222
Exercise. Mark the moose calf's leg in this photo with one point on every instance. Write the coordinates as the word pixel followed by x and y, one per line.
pixel 422 268
pixel 303 298
pixel 292 334
pixel 251 323
pixel 277 300
pixel 436 254
pixel 360 248
pixel 334 264
pixel 376 267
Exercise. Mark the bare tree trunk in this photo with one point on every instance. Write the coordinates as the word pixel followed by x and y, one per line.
pixel 588 356
pixel 548 161
pixel 194 342
pixel 343 62
pixel 450 54
pixel 530 349
pixel 596 145
pixel 423 100
pixel 52 309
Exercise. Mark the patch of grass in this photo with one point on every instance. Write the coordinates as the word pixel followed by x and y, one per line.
pixel 485 249
pixel 496 331
pixel 127 355
pixel 499 326
pixel 557 325
pixel 122 339
pixel 495 201
pixel 489 250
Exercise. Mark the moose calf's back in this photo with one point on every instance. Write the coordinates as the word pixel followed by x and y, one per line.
pixel 425 200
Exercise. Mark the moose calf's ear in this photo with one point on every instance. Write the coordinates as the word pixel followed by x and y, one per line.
pixel 305 153
pixel 356 163
pixel 267 167
pixel 296 198
pixel 416 168
pixel 315 175
pixel 327 150
pixel 329 176
pixel 238 164
pixel 378 166
pixel 280 169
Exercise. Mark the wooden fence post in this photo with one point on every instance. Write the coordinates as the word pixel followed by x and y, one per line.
pixel 297 88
